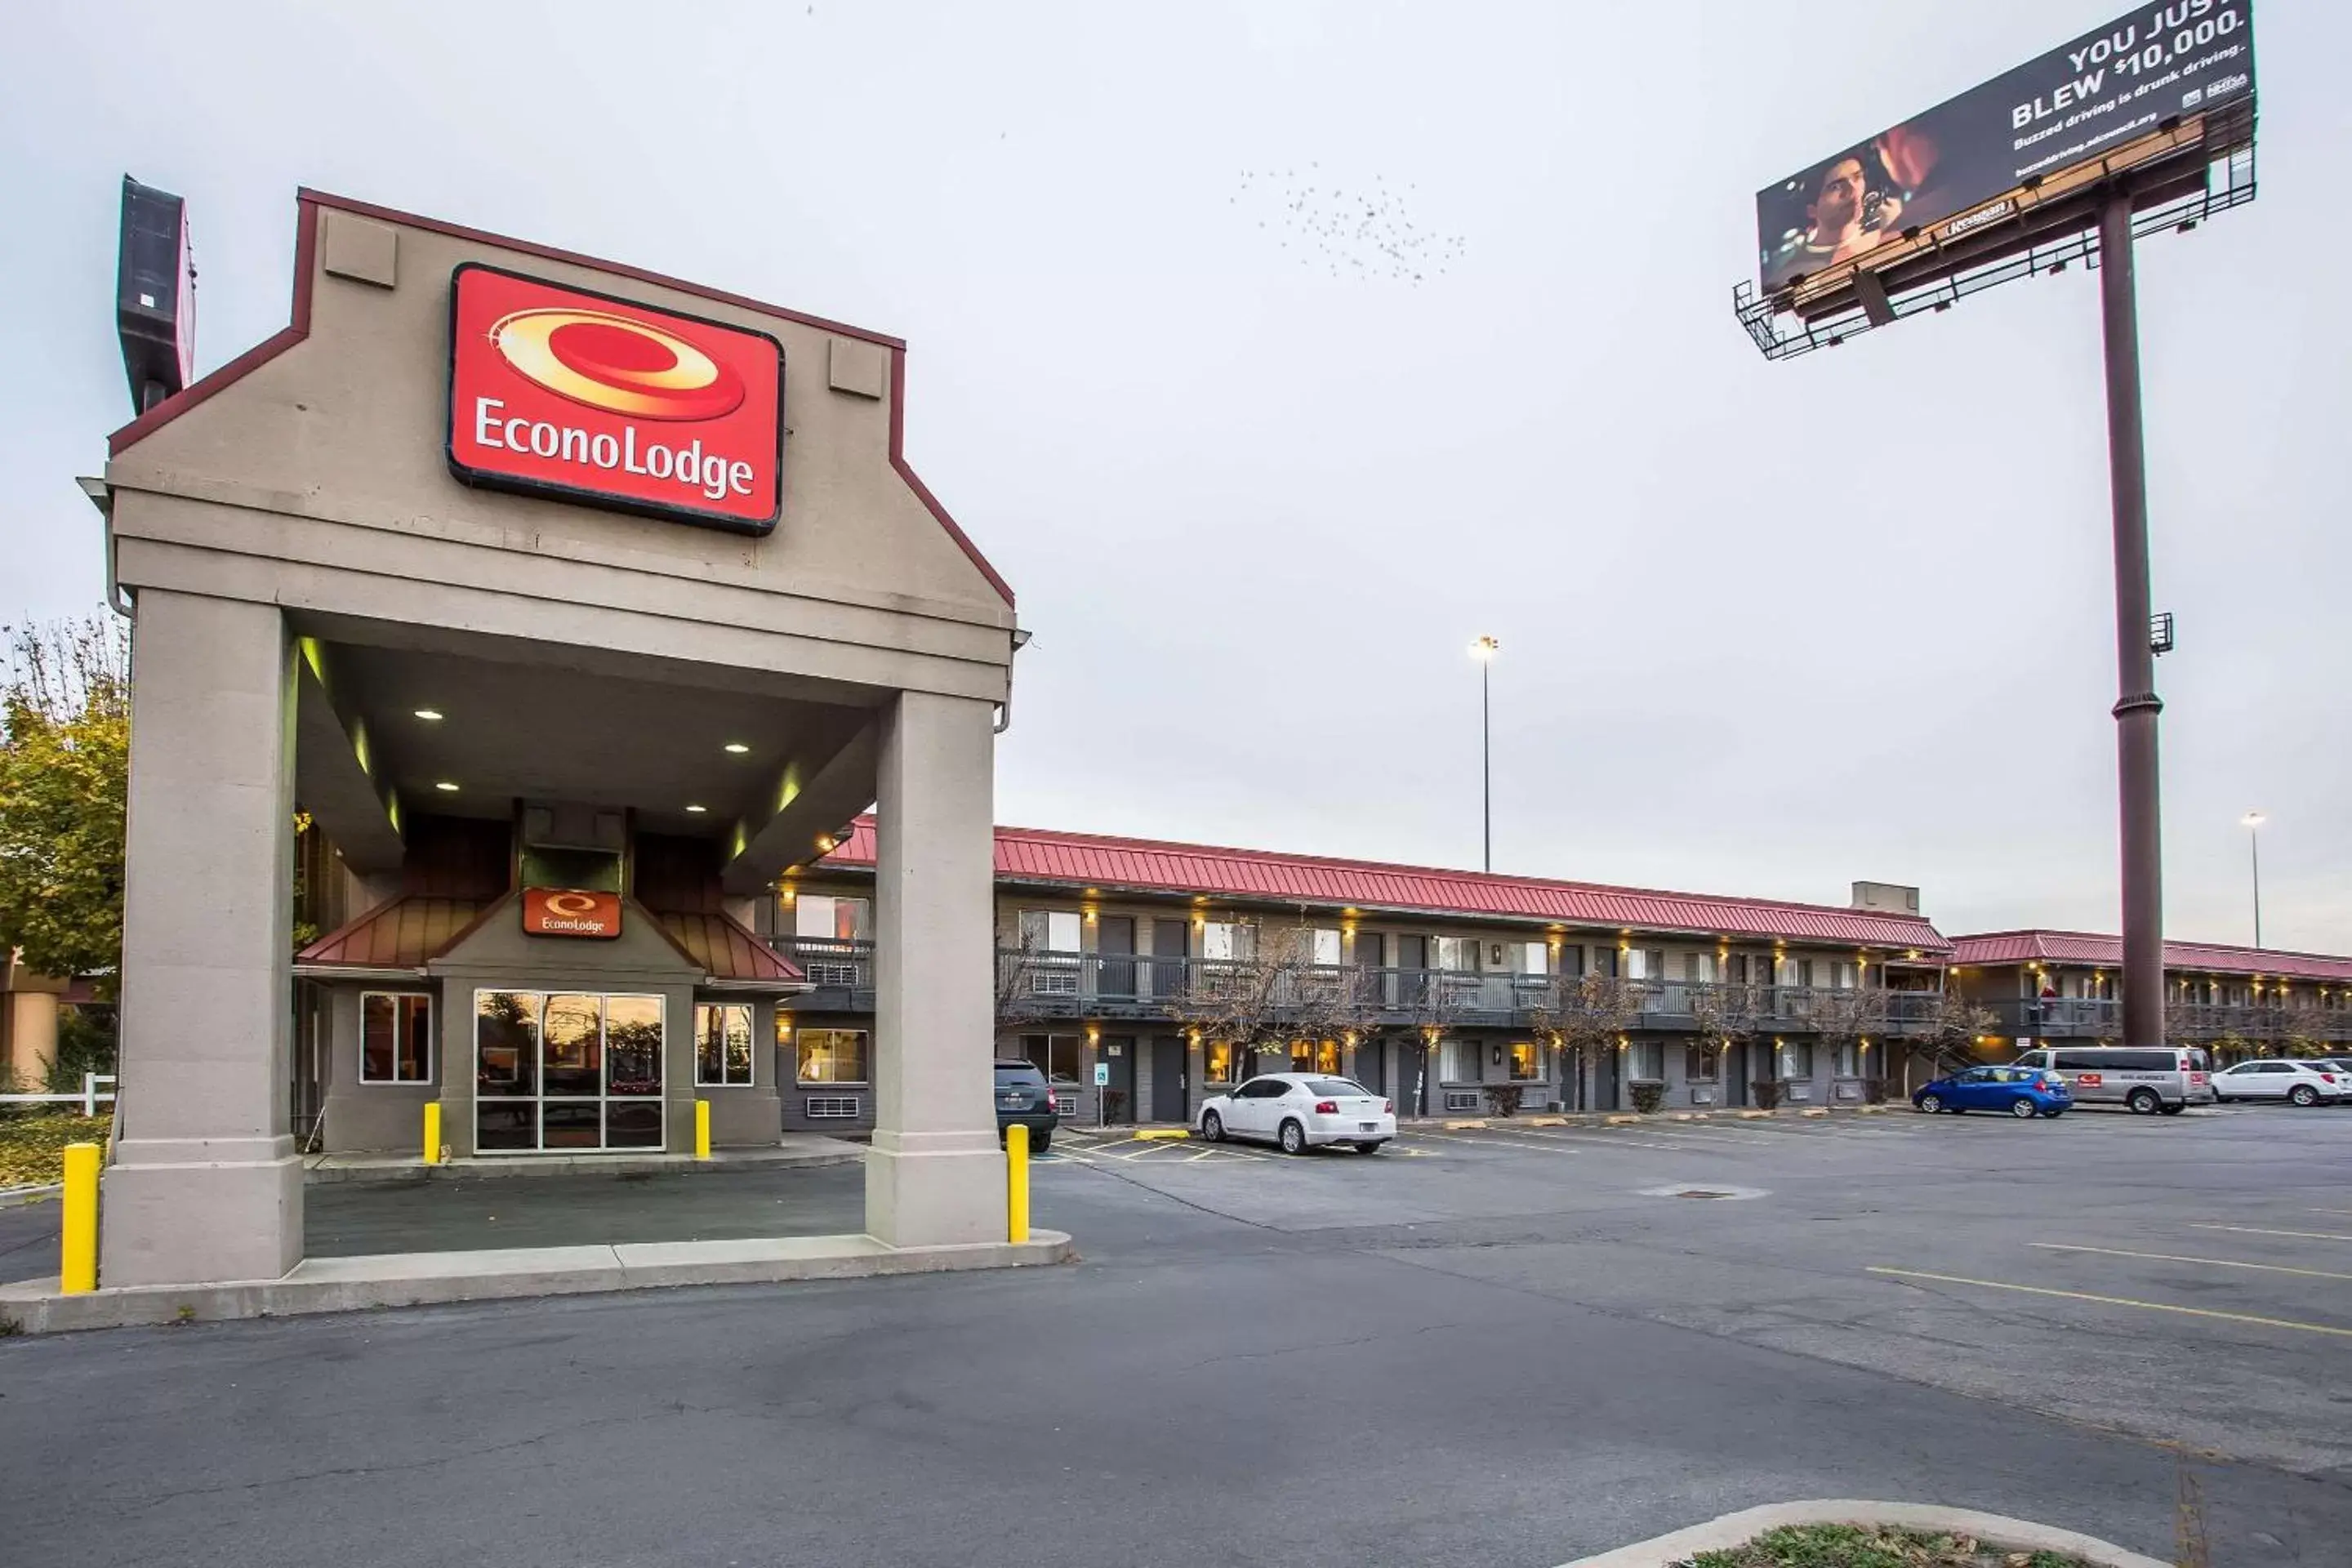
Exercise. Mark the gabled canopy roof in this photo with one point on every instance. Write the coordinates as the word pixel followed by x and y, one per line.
pixel 411 930
pixel 1081 860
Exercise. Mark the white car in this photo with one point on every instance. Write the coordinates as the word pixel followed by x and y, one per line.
pixel 2296 1083
pixel 1299 1111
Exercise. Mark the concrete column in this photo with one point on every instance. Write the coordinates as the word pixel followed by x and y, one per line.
pixel 31 1033
pixel 205 1183
pixel 934 1173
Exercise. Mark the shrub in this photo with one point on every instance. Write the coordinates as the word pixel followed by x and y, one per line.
pixel 1767 1092
pixel 1648 1097
pixel 1873 1090
pixel 84 1045
pixel 1505 1097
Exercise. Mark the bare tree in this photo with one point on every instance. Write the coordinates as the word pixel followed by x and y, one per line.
pixel 1583 1014
pixel 1847 1015
pixel 1949 1033
pixel 1728 1016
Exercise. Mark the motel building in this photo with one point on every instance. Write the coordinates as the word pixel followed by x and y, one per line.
pixel 1118 959
pixel 543 614
pixel 2059 988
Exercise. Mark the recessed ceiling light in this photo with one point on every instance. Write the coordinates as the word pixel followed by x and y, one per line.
pixel 446 787
pixel 698 809
pixel 430 715
pixel 737 748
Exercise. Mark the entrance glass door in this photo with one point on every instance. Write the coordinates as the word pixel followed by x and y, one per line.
pixel 566 1071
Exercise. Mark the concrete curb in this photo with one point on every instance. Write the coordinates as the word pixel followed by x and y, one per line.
pixel 17 1197
pixel 433 1278
pixel 1995 1531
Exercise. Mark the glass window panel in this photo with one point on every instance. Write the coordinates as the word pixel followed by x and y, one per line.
pixel 501 1124
pixel 571 1037
pixel 413 1063
pixel 506 1036
pixel 1217 1062
pixel 1229 940
pixel 1535 958
pixel 831 1056
pixel 1325 949
pixel 1527 1060
pixel 571 1124
pixel 1460 953
pixel 379 1029
pixel 722 1044
pixel 633 1045
pixel 633 1124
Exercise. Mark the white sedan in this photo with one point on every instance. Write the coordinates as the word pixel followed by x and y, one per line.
pixel 2297 1083
pixel 1299 1111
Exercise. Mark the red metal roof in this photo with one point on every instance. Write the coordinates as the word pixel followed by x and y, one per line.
pixel 409 930
pixel 2107 951
pixel 1091 860
pixel 725 950
pixel 400 934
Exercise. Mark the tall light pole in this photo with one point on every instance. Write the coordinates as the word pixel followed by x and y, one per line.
pixel 2253 821
pixel 1484 650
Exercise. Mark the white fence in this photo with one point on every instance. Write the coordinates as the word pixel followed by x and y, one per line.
pixel 89 1099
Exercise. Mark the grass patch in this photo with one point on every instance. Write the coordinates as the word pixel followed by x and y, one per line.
pixel 1868 1546
pixel 33 1148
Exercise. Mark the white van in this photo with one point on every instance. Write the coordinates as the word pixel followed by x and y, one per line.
pixel 2148 1078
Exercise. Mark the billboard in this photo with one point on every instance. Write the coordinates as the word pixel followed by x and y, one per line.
pixel 556 392
pixel 2085 99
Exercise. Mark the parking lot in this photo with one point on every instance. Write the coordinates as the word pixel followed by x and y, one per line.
pixel 1507 1345
pixel 2187 1279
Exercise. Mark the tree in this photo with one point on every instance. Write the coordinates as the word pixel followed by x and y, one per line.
pixel 1848 1015
pixel 1584 1015
pixel 1728 1016
pixel 65 763
pixel 1949 1032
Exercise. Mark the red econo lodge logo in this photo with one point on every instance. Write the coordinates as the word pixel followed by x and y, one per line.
pixel 570 911
pixel 555 391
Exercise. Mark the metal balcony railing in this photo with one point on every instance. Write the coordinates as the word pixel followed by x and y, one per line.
pixel 1033 984
pixel 2101 1018
pixel 830 962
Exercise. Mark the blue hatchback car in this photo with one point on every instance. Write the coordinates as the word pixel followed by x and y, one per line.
pixel 2023 1092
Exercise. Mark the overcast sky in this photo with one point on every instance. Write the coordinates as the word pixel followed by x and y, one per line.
pixel 1766 628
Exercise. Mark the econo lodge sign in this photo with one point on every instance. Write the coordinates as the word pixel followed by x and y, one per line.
pixel 570 911
pixel 556 392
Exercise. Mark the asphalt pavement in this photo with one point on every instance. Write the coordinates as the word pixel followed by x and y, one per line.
pixel 1503 1346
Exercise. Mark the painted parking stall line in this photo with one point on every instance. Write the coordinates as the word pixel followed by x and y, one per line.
pixel 2126 1301
pixel 2259 1230
pixel 2179 1257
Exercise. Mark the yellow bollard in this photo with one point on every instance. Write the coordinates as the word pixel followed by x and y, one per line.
pixel 432 1131
pixel 702 1129
pixel 1016 1184
pixel 78 1270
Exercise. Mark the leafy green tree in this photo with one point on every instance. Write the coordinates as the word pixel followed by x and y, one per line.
pixel 64 758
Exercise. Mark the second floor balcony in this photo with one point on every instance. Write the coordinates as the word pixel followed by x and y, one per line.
pixel 1047 986
pixel 2194 1023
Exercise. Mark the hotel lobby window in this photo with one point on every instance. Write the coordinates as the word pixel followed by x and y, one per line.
pixel 722 1044
pixel 395 1037
pixel 566 1071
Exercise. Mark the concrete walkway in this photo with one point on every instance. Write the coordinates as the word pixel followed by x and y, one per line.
pixel 797 1151
pixel 468 1212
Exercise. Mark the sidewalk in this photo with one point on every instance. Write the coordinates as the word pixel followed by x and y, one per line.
pixel 798 1150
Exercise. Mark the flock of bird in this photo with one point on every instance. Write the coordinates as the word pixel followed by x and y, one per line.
pixel 1344 233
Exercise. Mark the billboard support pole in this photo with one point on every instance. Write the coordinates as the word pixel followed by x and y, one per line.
pixel 2136 703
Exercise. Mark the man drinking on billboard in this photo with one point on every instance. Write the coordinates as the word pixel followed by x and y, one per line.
pixel 1845 218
